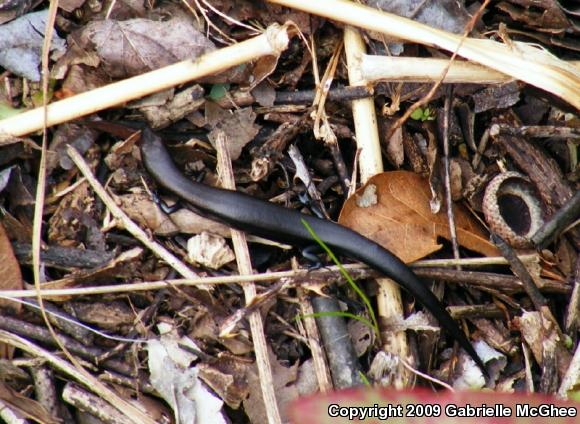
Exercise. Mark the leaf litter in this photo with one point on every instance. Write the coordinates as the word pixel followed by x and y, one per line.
pixel 186 364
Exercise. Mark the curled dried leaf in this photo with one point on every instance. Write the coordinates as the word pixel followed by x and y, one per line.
pixel 401 219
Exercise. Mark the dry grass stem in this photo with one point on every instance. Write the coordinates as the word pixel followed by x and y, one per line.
pixel 522 61
pixel 271 42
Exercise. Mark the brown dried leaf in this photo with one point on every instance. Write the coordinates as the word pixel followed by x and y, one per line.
pixel 11 278
pixel 543 15
pixel 395 152
pixel 262 69
pixel 111 315
pixel 284 387
pixel 145 212
pixel 399 218
pixel 239 127
pixel 134 46
pixel 227 377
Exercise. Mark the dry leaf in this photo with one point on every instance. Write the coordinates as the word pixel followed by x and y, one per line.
pixel 209 250
pixel 11 279
pixel 178 383
pixel 110 315
pixel 140 208
pixel 445 14
pixel 400 219
pixel 9 270
pixel 239 127
pixel 134 46
pixel 284 387
pixel 227 377
pixel 395 152
pixel 21 44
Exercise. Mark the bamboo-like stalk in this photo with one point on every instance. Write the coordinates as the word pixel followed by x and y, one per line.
pixel 363 110
pixel 519 60
pixel 389 302
pixel 272 42
pixel 422 69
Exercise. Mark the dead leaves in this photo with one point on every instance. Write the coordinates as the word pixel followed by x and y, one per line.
pixel 9 270
pixel 134 46
pixel 397 216
pixel 21 44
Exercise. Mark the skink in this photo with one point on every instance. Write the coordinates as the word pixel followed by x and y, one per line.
pixel 277 223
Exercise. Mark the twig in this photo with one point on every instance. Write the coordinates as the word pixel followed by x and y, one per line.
pixel 448 197
pixel 338 346
pixel 473 262
pixel 318 358
pixel 245 267
pixel 92 384
pixel 572 319
pixel 35 332
pixel 501 282
pixel 45 389
pixel 476 311
pixel 125 221
pixel 424 69
pixel 537 131
pixel 521 272
pixel 564 217
pixel 87 402
pixel 363 110
pixel 357 271
pixel 156 285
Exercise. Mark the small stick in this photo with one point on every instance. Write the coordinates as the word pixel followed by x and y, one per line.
pixel 125 221
pixel 308 324
pixel 88 381
pixel 35 332
pixel 95 406
pixel 521 272
pixel 563 218
pixel 537 131
pixel 446 170
pixel 500 282
pixel 245 267
pixel 357 271
pixel 341 355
